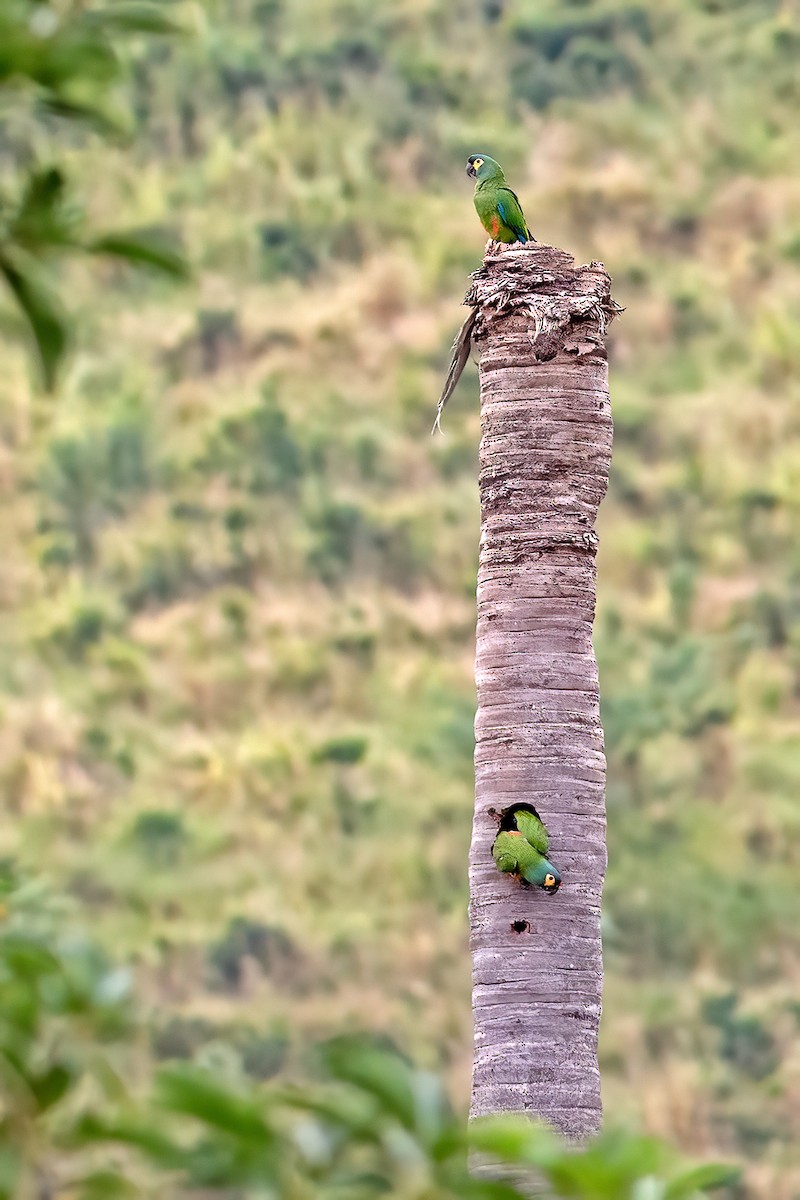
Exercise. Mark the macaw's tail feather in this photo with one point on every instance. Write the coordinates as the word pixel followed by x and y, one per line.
pixel 461 348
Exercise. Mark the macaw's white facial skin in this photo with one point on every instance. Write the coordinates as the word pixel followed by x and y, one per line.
pixel 481 168
pixel 546 877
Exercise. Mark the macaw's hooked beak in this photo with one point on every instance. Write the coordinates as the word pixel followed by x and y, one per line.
pixel 471 170
pixel 552 882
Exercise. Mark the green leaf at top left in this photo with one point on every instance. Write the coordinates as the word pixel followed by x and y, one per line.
pixel 41 310
pixel 144 248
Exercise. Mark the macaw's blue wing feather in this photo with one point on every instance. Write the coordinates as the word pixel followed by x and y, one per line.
pixel 510 210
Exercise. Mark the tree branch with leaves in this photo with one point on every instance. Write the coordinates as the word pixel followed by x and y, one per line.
pixel 65 63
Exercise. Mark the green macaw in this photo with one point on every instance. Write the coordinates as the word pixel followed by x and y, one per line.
pixel 521 846
pixel 497 206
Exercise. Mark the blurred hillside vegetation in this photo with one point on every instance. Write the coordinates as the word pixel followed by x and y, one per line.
pixel 237 594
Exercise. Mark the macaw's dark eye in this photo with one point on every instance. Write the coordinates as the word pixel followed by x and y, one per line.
pixel 549 880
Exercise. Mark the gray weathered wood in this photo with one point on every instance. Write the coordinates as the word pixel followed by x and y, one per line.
pixel 539 328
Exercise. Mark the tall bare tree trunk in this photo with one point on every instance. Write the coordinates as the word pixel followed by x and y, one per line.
pixel 545 453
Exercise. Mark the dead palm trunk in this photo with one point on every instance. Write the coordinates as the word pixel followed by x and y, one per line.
pixel 539 324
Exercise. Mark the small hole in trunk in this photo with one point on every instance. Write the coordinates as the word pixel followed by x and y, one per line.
pixel 520 926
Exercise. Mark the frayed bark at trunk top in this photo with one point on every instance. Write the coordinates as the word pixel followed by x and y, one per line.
pixel 539 324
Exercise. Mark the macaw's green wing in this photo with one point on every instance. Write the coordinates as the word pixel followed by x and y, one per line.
pixel 511 213
pixel 504 852
pixel 533 830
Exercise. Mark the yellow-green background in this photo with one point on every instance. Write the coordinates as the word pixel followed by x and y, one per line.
pixel 237 587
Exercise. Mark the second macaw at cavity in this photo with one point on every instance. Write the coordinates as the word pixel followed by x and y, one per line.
pixel 521 847
pixel 497 206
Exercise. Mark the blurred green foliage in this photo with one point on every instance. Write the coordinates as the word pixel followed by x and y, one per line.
pixel 370 1126
pixel 63 62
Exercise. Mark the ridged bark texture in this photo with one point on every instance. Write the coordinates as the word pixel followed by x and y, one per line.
pixel 544 462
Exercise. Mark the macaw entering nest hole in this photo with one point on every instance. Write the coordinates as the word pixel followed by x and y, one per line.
pixel 507 815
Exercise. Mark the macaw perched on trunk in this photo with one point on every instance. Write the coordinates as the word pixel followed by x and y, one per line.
pixel 497 206
pixel 521 846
